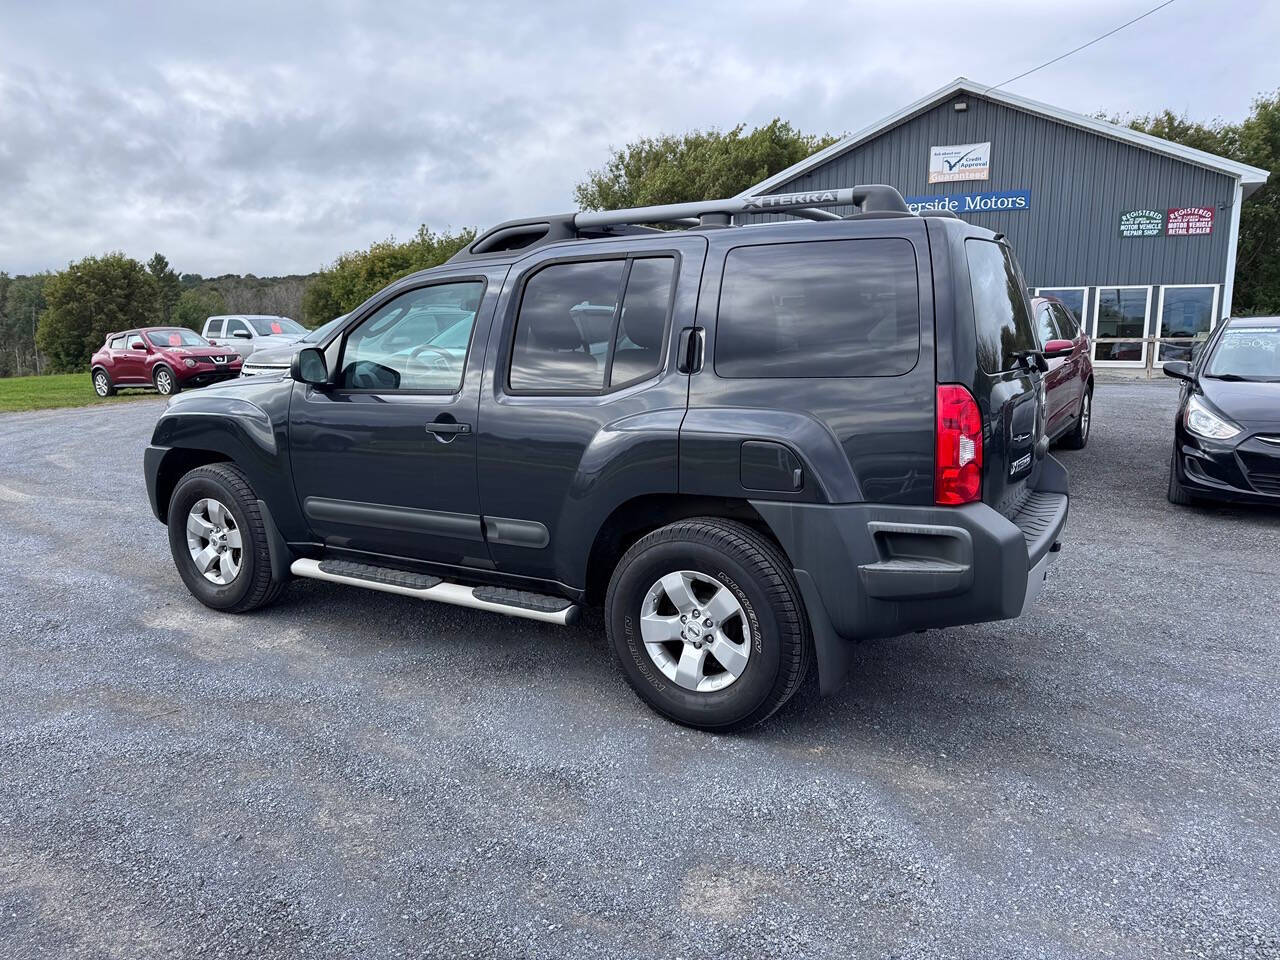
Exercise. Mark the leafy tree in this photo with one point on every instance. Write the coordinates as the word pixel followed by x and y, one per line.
pixel 701 165
pixel 355 277
pixel 197 305
pixel 21 308
pixel 168 286
pixel 1255 141
pixel 88 300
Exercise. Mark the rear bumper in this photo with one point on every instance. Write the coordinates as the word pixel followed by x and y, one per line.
pixel 880 570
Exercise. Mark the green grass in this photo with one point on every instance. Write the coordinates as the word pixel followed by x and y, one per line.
pixel 55 390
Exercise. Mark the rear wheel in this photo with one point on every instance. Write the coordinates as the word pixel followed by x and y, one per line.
pixel 219 541
pixel 707 624
pixel 1177 492
pixel 1079 436
pixel 166 383
pixel 102 384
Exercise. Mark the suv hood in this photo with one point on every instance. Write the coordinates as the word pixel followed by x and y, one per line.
pixel 215 351
pixel 274 354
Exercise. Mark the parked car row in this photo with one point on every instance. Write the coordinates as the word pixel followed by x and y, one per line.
pixel 170 359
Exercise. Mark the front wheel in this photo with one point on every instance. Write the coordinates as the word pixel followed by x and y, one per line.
pixel 219 540
pixel 166 383
pixel 707 624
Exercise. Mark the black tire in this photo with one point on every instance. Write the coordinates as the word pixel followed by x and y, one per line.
pixel 1178 494
pixel 254 586
pixel 165 382
pixel 1079 435
pixel 102 384
pixel 759 577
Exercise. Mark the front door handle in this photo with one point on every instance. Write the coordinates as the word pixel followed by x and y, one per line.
pixel 447 428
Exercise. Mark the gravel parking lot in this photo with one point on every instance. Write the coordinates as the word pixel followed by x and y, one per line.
pixel 351 774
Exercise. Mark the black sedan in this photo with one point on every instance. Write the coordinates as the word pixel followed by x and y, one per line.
pixel 1226 441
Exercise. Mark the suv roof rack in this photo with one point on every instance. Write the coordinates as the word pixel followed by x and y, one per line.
pixel 873 198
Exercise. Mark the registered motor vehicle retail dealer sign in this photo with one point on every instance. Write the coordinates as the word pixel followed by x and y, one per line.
pixel 1190 221
pixel 960 161
pixel 1141 223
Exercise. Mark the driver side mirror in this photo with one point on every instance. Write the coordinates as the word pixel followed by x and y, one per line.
pixel 1058 348
pixel 1178 369
pixel 242 335
pixel 308 366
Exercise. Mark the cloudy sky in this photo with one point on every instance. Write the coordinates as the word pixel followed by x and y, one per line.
pixel 268 137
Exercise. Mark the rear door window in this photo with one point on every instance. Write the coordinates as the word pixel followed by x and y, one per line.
pixel 999 306
pixel 831 308
pixel 593 325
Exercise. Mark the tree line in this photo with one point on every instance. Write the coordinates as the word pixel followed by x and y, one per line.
pixel 53 322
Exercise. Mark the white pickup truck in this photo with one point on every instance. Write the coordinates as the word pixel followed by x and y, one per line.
pixel 247 332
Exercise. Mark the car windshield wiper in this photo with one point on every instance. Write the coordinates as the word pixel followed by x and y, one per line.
pixel 1238 378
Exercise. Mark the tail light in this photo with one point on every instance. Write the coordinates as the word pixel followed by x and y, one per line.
pixel 957 447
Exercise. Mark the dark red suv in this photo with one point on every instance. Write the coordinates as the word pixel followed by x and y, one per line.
pixel 167 358
pixel 1069 381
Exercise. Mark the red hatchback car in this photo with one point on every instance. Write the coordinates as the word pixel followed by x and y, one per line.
pixel 1069 382
pixel 167 358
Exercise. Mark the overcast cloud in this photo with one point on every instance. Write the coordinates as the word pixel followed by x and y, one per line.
pixel 267 138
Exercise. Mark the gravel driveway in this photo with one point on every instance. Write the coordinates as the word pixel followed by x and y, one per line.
pixel 352 774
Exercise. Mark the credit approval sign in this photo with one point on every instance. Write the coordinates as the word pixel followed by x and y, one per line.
pixel 960 161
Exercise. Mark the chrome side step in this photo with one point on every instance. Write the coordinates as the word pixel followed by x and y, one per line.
pixel 514 603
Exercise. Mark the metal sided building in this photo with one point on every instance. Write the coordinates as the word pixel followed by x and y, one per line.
pixel 1136 234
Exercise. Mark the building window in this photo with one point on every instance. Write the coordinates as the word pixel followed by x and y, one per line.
pixel 1076 299
pixel 1121 312
pixel 1187 312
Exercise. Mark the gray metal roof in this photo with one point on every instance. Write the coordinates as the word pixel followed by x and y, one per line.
pixel 1251 178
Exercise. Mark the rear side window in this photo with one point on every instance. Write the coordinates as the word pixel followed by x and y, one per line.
pixel 999 306
pixel 583 326
pixel 832 308
pixel 117 343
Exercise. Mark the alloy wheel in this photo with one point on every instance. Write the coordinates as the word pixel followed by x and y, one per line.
pixel 164 382
pixel 214 540
pixel 695 631
pixel 100 384
pixel 1086 415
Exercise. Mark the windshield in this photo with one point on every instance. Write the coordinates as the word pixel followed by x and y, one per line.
pixel 266 326
pixel 319 333
pixel 1247 353
pixel 176 337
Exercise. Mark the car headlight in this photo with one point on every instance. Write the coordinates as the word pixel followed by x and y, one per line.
pixel 1203 422
pixel 189 362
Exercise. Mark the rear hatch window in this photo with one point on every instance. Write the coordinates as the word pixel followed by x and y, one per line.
pixel 829 308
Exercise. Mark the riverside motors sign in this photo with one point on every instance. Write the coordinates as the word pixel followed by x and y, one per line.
pixel 960 161
pixel 962 203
